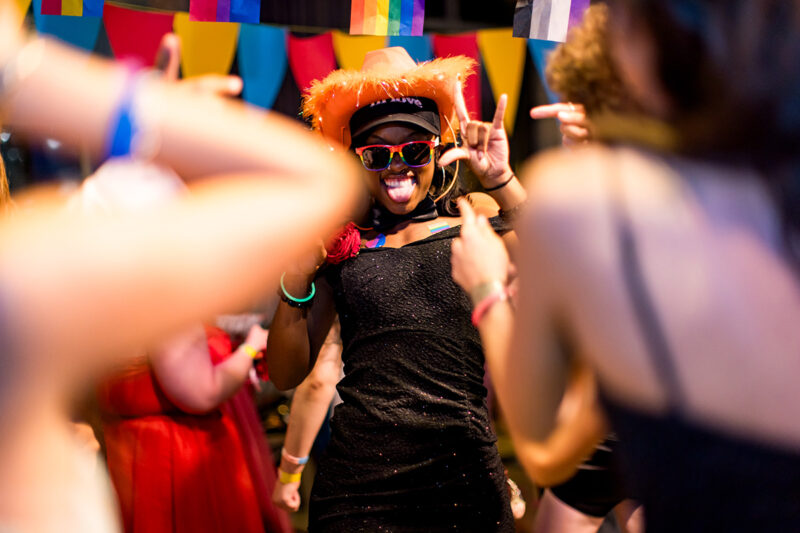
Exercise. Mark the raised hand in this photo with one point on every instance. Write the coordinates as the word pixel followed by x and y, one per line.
pixel 168 61
pixel 478 254
pixel 485 143
pixel 168 57
pixel 575 126
pixel 257 337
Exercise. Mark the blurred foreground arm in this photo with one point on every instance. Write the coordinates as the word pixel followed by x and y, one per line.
pixel 549 447
pixel 84 287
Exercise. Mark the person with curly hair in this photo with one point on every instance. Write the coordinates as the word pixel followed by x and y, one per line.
pixel 582 73
pixel 671 259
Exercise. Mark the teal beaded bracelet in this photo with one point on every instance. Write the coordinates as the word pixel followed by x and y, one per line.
pixel 300 303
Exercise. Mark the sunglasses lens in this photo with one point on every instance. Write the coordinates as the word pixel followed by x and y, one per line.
pixel 417 154
pixel 376 157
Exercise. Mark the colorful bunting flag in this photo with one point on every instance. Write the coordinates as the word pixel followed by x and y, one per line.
pixel 387 17
pixel 351 49
pixel 262 62
pixel 311 58
pixel 206 47
pixel 23 6
pixel 77 31
pixel 504 59
pixel 547 19
pixel 248 11
pixel 467 45
pixel 73 8
pixel 265 52
pixel 419 48
pixel 539 51
pixel 136 34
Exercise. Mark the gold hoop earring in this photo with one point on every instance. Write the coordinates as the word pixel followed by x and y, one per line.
pixel 455 174
pixel 451 185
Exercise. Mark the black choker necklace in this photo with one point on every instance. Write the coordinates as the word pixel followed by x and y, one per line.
pixel 383 219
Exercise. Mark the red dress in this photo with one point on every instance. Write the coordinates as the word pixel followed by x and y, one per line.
pixel 176 472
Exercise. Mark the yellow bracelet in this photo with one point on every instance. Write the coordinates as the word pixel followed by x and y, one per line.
pixel 249 350
pixel 286 477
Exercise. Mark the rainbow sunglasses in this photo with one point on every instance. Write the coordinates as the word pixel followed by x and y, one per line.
pixel 415 154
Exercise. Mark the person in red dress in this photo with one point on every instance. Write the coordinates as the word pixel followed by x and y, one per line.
pixel 179 442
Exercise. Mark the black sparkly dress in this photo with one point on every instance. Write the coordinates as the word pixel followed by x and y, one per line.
pixel 412 447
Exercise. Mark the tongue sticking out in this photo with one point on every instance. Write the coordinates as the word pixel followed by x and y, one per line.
pixel 399 190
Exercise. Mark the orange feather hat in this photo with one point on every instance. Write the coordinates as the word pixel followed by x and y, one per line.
pixel 386 73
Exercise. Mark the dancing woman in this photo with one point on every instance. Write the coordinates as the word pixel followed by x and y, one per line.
pixel 673 265
pixel 412 447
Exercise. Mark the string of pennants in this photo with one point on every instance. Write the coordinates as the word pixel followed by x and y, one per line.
pixel 533 19
pixel 265 54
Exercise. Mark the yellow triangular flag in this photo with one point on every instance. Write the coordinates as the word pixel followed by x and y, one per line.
pixel 504 59
pixel 351 49
pixel 206 47
pixel 23 6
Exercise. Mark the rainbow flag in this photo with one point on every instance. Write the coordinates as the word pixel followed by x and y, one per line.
pixel 73 8
pixel 387 17
pixel 547 20
pixel 248 11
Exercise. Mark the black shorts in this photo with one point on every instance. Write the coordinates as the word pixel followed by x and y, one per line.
pixel 595 489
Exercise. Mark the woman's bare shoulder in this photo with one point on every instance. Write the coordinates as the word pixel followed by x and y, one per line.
pixel 566 183
pixel 483 204
pixel 579 181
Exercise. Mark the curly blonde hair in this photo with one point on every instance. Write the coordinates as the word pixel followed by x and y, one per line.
pixel 581 69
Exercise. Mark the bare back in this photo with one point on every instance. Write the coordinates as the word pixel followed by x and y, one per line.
pixel 709 254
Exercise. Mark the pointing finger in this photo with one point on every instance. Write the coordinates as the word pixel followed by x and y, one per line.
pixel 467 213
pixel 576 118
pixel 549 111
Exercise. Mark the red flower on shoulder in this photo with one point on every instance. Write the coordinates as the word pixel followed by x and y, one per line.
pixel 344 244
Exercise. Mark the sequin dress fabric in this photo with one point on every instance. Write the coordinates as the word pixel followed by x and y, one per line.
pixel 412 447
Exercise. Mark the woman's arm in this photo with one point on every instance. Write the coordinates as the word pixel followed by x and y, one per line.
pixel 310 404
pixel 530 375
pixel 184 369
pixel 89 287
pixel 297 333
pixel 579 427
pixel 53 91
pixel 84 288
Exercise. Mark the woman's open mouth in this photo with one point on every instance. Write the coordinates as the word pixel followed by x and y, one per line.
pixel 399 188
